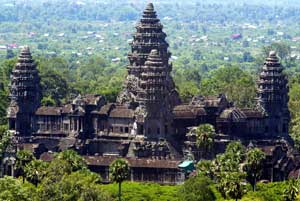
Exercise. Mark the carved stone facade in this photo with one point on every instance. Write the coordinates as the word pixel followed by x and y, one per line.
pixel 148 125
pixel 25 94
pixel 272 96
pixel 149 36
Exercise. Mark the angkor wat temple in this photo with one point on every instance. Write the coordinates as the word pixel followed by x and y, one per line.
pixel 148 124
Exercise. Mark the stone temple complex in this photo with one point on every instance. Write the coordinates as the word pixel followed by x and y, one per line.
pixel 149 125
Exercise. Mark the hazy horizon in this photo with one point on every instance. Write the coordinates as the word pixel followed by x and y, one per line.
pixel 285 3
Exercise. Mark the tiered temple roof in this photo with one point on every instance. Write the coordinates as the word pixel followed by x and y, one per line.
pixel 153 80
pixel 25 81
pixel 272 92
pixel 272 97
pixel 149 36
pixel 25 93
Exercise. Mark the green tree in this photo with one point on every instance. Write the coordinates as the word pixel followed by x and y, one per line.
pixel 197 188
pixel 205 134
pixel 3 104
pixel 81 185
pixel 48 101
pixel 73 159
pixel 231 185
pixel 253 167
pixel 54 85
pixel 93 68
pixel 227 171
pixel 204 168
pixel 13 190
pixel 236 151
pixel 236 84
pixel 197 55
pixel 9 54
pixel 5 71
pixel 5 142
pixel 230 161
pixel 119 172
pixel 64 163
pixel 35 171
pixel 187 90
pixel 291 192
pixel 294 108
pixel 23 158
pixel 295 131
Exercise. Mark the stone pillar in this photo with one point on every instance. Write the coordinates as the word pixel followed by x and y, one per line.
pixel 107 173
pixel 131 175
pixel 75 124
pixel 82 123
pixel 78 123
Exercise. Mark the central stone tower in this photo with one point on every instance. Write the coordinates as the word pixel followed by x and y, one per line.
pixel 154 111
pixel 149 36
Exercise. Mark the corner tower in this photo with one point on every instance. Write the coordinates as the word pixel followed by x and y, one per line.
pixel 25 94
pixel 272 97
pixel 149 36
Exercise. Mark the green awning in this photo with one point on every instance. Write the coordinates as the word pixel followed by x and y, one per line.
pixel 186 164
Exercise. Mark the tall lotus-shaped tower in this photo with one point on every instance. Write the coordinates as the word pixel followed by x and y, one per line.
pixel 149 36
pixel 272 97
pixel 25 94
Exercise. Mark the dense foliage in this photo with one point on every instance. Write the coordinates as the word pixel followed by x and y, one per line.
pixel 197 189
pixel 66 177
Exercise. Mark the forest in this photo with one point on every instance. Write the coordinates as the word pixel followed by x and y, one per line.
pixel 81 47
pixel 67 178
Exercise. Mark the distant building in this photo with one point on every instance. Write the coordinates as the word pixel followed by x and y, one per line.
pixel 236 36
pixel 115 60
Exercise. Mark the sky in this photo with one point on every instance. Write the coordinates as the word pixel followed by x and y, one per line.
pixel 282 3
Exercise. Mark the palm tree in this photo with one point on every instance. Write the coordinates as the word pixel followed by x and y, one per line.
pixel 75 161
pixel 292 190
pixel 119 171
pixel 35 171
pixel 23 157
pixel 253 167
pixel 205 168
pixel 231 185
pixel 236 150
pixel 205 134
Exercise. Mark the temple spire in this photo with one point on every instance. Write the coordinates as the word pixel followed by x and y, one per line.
pixel 25 92
pixel 149 36
pixel 154 98
pixel 150 7
pixel 272 96
pixel 153 83
pixel 149 12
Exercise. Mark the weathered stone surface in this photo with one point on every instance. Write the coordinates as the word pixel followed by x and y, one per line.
pixel 272 97
pixel 25 93
pixel 149 36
